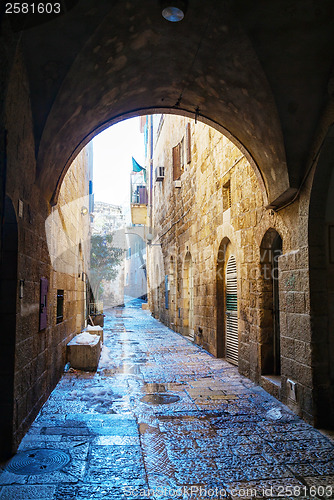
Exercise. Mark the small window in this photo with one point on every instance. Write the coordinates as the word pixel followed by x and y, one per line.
pixel 227 195
pixel 60 306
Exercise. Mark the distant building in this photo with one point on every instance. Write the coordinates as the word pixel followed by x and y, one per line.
pixel 109 219
pixel 135 282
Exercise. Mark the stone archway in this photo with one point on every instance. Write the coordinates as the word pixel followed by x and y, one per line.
pixel 225 70
pixel 321 261
pixel 102 78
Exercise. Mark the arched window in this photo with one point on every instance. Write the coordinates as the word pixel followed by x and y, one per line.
pixel 172 301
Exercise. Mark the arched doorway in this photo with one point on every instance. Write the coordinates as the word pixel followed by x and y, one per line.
pixel 172 302
pixel 270 250
pixel 220 302
pixel 321 261
pixel 157 292
pixel 227 303
pixel 188 296
pixel 8 298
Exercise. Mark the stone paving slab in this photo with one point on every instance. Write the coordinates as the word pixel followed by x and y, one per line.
pixel 224 438
pixel 27 492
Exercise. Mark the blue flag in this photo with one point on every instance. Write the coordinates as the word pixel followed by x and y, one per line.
pixel 137 168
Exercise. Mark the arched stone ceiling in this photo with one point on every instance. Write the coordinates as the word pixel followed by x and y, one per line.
pixel 259 70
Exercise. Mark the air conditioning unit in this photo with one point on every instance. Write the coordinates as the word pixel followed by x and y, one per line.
pixel 159 173
pixel 177 184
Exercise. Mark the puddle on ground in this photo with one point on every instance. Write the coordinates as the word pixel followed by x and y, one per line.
pixel 129 368
pixel 131 359
pixel 132 342
pixel 160 398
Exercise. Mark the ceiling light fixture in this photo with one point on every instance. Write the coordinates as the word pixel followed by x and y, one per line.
pixel 174 10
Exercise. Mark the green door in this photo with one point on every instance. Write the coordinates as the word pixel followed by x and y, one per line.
pixel 231 308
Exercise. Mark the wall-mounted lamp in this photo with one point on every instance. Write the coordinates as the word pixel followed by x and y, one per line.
pixel 21 288
pixel 149 238
pixel 84 211
pixel 174 10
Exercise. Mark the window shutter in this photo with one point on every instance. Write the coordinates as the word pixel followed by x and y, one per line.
pixel 142 192
pixel 231 302
pixel 177 162
pixel 188 142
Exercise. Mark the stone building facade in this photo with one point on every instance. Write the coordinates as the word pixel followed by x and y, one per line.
pixel 135 283
pixel 224 269
pixel 110 219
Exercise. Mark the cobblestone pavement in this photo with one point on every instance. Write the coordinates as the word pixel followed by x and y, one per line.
pixel 163 419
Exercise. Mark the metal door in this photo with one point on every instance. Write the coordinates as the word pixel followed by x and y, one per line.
pixel 231 308
pixel 43 304
pixel 275 253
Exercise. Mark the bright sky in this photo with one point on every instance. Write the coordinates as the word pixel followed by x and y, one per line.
pixel 113 150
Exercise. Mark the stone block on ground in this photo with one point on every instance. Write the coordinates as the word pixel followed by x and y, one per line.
pixel 98 319
pixel 83 351
pixel 95 330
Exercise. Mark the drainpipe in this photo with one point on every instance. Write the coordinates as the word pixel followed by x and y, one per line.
pixel 151 172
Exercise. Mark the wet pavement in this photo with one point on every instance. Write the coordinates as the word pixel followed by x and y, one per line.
pixel 163 419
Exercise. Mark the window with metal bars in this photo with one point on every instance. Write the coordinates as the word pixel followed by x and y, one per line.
pixel 227 195
pixel 60 306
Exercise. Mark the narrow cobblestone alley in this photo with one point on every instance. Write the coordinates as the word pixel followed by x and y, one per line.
pixel 161 418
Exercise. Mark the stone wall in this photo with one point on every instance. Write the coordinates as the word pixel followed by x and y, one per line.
pixel 37 356
pixel 195 220
pixel 68 239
